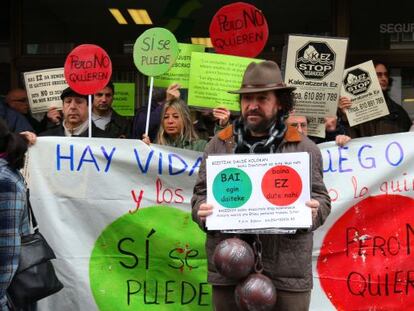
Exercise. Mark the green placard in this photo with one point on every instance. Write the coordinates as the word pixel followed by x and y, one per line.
pixel 124 99
pixel 155 51
pixel 180 71
pixel 212 76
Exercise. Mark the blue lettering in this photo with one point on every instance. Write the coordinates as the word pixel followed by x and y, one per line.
pixel 59 157
pixel 343 159
pixel 171 167
pixel 144 170
pixel 330 161
pixel 401 154
pixel 160 164
pixel 108 157
pixel 195 166
pixel 91 160
pixel 372 160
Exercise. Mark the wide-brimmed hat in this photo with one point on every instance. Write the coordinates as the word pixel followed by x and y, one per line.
pixel 261 77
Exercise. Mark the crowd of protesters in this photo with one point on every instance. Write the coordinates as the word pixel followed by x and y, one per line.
pixel 172 122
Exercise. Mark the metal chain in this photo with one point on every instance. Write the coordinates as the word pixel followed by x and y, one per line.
pixel 257 249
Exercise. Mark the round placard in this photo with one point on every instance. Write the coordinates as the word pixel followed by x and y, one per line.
pixel 281 185
pixel 155 51
pixel 88 69
pixel 239 29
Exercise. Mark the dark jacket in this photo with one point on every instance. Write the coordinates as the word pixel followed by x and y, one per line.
pixel 140 120
pixel 396 122
pixel 287 259
pixel 15 121
pixel 118 127
pixel 60 131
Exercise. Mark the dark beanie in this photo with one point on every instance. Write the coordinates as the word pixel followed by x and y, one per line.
pixel 69 92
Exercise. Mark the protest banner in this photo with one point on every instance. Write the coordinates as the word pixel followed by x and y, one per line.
pixel 124 99
pixel 239 29
pixel 212 76
pixel 180 71
pixel 360 84
pixel 363 253
pixel 117 214
pixel 256 191
pixel 120 225
pixel 315 65
pixel 44 88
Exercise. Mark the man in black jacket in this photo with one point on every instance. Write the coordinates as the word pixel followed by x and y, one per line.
pixel 75 117
pixel 105 118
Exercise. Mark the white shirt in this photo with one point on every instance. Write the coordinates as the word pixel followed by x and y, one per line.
pixel 101 121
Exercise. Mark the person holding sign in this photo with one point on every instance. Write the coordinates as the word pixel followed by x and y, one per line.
pixel 210 121
pixel 176 128
pixel 105 118
pixel 158 99
pixel 397 121
pixel 75 117
pixel 287 258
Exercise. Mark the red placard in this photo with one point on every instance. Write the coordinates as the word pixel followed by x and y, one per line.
pixel 281 185
pixel 88 69
pixel 366 259
pixel 239 29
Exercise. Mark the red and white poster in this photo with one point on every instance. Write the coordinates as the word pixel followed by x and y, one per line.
pixel 239 29
pixel 88 69
pixel 363 255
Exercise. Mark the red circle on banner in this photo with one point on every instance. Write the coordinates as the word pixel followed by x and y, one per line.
pixel 281 185
pixel 88 69
pixel 239 29
pixel 366 259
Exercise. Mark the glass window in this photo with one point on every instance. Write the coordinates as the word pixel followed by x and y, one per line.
pixel 55 27
pixel 381 25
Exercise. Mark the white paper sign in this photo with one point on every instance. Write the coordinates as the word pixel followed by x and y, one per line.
pixel 44 88
pixel 253 191
pixel 361 85
pixel 315 65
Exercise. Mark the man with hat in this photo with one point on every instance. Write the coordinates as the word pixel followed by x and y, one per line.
pixel 75 117
pixel 287 258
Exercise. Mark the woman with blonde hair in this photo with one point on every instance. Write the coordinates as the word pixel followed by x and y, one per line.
pixel 176 129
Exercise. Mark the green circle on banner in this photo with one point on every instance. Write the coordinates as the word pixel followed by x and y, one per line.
pixel 232 187
pixel 155 51
pixel 153 259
